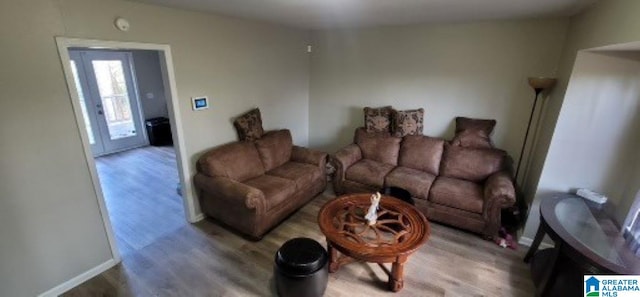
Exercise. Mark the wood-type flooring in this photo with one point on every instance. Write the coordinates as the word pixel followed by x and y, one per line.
pixel 205 259
pixel 139 187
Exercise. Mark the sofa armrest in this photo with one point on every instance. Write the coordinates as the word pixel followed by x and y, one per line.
pixel 347 156
pixel 499 187
pixel 309 156
pixel 232 191
pixel 341 161
pixel 499 193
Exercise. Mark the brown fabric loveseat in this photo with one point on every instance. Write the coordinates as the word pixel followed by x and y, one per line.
pixel 458 186
pixel 252 186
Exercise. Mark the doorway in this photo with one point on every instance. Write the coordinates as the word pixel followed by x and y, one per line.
pixel 138 177
pixel 186 201
pixel 107 96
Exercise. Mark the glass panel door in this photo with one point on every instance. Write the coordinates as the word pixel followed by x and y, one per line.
pixel 114 98
pixel 88 109
pixel 111 97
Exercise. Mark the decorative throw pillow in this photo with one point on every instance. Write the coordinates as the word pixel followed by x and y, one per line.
pixel 473 133
pixel 249 125
pixel 407 122
pixel 377 119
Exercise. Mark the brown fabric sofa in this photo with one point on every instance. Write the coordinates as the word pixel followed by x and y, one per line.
pixel 252 186
pixel 462 187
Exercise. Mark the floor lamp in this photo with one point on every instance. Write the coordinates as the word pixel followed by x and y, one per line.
pixel 538 84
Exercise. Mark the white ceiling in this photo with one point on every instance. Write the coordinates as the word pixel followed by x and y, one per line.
pixel 315 14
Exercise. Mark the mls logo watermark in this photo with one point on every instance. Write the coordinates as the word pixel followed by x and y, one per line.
pixel 611 285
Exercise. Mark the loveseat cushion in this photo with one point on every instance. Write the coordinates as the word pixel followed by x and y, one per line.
pixel 368 172
pixel 471 164
pixel 276 189
pixel 415 181
pixel 303 174
pixel 421 152
pixel 274 148
pixel 238 161
pixel 457 193
pixel 379 147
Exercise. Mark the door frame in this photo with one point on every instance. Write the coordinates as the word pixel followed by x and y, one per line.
pixel 177 128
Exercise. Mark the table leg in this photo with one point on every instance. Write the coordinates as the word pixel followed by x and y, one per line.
pixel 396 279
pixel 551 273
pixel 536 242
pixel 333 258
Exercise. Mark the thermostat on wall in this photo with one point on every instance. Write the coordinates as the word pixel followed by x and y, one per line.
pixel 199 103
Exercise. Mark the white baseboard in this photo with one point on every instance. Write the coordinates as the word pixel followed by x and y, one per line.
pixel 526 241
pixel 74 282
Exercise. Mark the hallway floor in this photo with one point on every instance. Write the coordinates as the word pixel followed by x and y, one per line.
pixel 139 187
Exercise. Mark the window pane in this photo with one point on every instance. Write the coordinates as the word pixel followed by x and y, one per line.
pixel 83 104
pixel 115 98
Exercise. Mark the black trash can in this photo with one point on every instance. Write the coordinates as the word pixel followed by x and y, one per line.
pixel 301 268
pixel 159 131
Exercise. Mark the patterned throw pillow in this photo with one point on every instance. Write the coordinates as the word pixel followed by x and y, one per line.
pixel 249 125
pixel 407 122
pixel 474 133
pixel 377 119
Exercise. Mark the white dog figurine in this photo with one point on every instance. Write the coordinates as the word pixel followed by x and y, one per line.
pixel 372 214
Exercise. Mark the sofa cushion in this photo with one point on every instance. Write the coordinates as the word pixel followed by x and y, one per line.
pixel 274 148
pixel 368 172
pixel 362 133
pixel 380 148
pixel 421 152
pixel 276 189
pixel 457 193
pixel 249 125
pixel 407 122
pixel 238 161
pixel 415 181
pixel 471 164
pixel 304 175
pixel 473 132
pixel 377 119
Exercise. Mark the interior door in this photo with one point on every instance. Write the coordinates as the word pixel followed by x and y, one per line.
pixel 109 101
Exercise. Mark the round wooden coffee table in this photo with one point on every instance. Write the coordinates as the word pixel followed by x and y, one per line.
pixel 400 230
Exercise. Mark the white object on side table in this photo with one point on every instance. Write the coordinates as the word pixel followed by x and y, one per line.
pixel 592 196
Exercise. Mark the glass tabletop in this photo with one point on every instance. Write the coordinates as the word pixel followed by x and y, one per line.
pixel 576 218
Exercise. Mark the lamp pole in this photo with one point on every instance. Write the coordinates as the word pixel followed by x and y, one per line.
pixel 538 84
pixel 526 135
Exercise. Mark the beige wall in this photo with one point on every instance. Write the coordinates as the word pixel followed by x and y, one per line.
pixel 50 226
pixel 607 22
pixel 149 81
pixel 596 140
pixel 475 70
